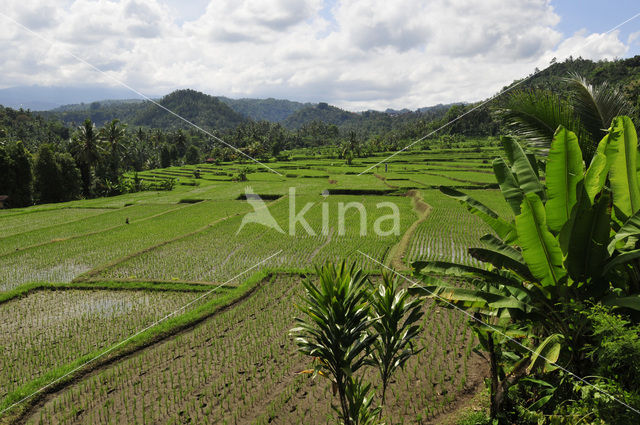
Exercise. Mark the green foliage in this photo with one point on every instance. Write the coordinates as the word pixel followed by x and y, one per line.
pixel 193 155
pixel 474 418
pixel 199 108
pixel 360 399
pixel 86 150
pixel 16 176
pixel 535 115
pixel 394 320
pixel 57 178
pixel 564 171
pixel 30 128
pixel 334 327
pixel 241 176
pixel 560 259
pixel 616 347
pixel 274 110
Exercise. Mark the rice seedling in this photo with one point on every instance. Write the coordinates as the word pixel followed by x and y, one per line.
pixel 55 327
pixel 241 365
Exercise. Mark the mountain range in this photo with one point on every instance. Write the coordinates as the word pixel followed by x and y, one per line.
pixel 72 105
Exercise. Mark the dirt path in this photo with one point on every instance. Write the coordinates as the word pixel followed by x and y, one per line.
pixel 399 251
pixel 384 180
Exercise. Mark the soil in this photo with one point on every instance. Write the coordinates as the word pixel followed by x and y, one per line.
pixel 241 366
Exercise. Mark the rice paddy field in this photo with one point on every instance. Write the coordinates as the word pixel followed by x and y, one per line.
pixel 175 306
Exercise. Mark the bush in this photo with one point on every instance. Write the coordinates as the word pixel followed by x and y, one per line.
pixel 167 184
pixel 616 347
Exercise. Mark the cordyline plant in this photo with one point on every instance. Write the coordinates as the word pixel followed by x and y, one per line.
pixel 575 241
pixel 347 326
pixel 395 316
pixel 334 329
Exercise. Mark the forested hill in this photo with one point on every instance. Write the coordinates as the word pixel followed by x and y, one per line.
pixel 321 112
pixel 201 109
pixel 403 124
pixel 30 128
pixel 623 74
pixel 99 112
pixel 274 110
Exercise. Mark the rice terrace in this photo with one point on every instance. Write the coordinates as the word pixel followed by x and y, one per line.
pixel 196 259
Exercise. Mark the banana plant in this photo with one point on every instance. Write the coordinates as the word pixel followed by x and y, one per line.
pixel 574 240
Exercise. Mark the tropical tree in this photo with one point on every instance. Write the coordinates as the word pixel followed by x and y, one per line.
pixel 193 155
pixel 113 134
pixel 86 150
pixel 588 111
pixel 16 176
pixel 333 330
pixel 574 242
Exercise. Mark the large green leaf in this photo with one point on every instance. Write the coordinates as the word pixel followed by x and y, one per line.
pixel 632 302
pixel 623 258
pixel 508 184
pixel 461 270
pixel 526 176
pixel 501 259
pixel 547 353
pixel 470 298
pixel 565 169
pixel 624 167
pixel 501 246
pixel 505 230
pixel 534 162
pixel 630 228
pixel 588 237
pixel 596 175
pixel 540 249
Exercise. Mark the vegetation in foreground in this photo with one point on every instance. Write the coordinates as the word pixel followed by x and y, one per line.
pixel 544 312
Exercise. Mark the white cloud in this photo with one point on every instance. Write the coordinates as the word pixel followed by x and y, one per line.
pixel 369 54
pixel 592 46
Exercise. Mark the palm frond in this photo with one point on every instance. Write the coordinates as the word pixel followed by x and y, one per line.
pixel 534 115
pixel 596 106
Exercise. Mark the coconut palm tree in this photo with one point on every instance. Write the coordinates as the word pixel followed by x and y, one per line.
pixel 113 134
pixel 535 115
pixel 86 150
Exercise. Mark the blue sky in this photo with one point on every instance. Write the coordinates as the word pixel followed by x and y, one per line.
pixel 599 16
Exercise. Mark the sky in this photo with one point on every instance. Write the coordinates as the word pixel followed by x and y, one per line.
pixel 358 54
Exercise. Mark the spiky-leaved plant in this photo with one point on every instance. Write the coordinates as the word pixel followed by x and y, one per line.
pixel 394 319
pixel 333 329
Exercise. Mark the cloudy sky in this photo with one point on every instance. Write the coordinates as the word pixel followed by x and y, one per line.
pixel 359 54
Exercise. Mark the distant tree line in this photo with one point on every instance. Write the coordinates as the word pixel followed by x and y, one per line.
pixel 44 159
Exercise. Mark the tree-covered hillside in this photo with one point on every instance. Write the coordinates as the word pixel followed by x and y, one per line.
pixel 30 128
pixel 321 112
pixel 201 109
pixel 100 112
pixel 623 74
pixel 274 110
